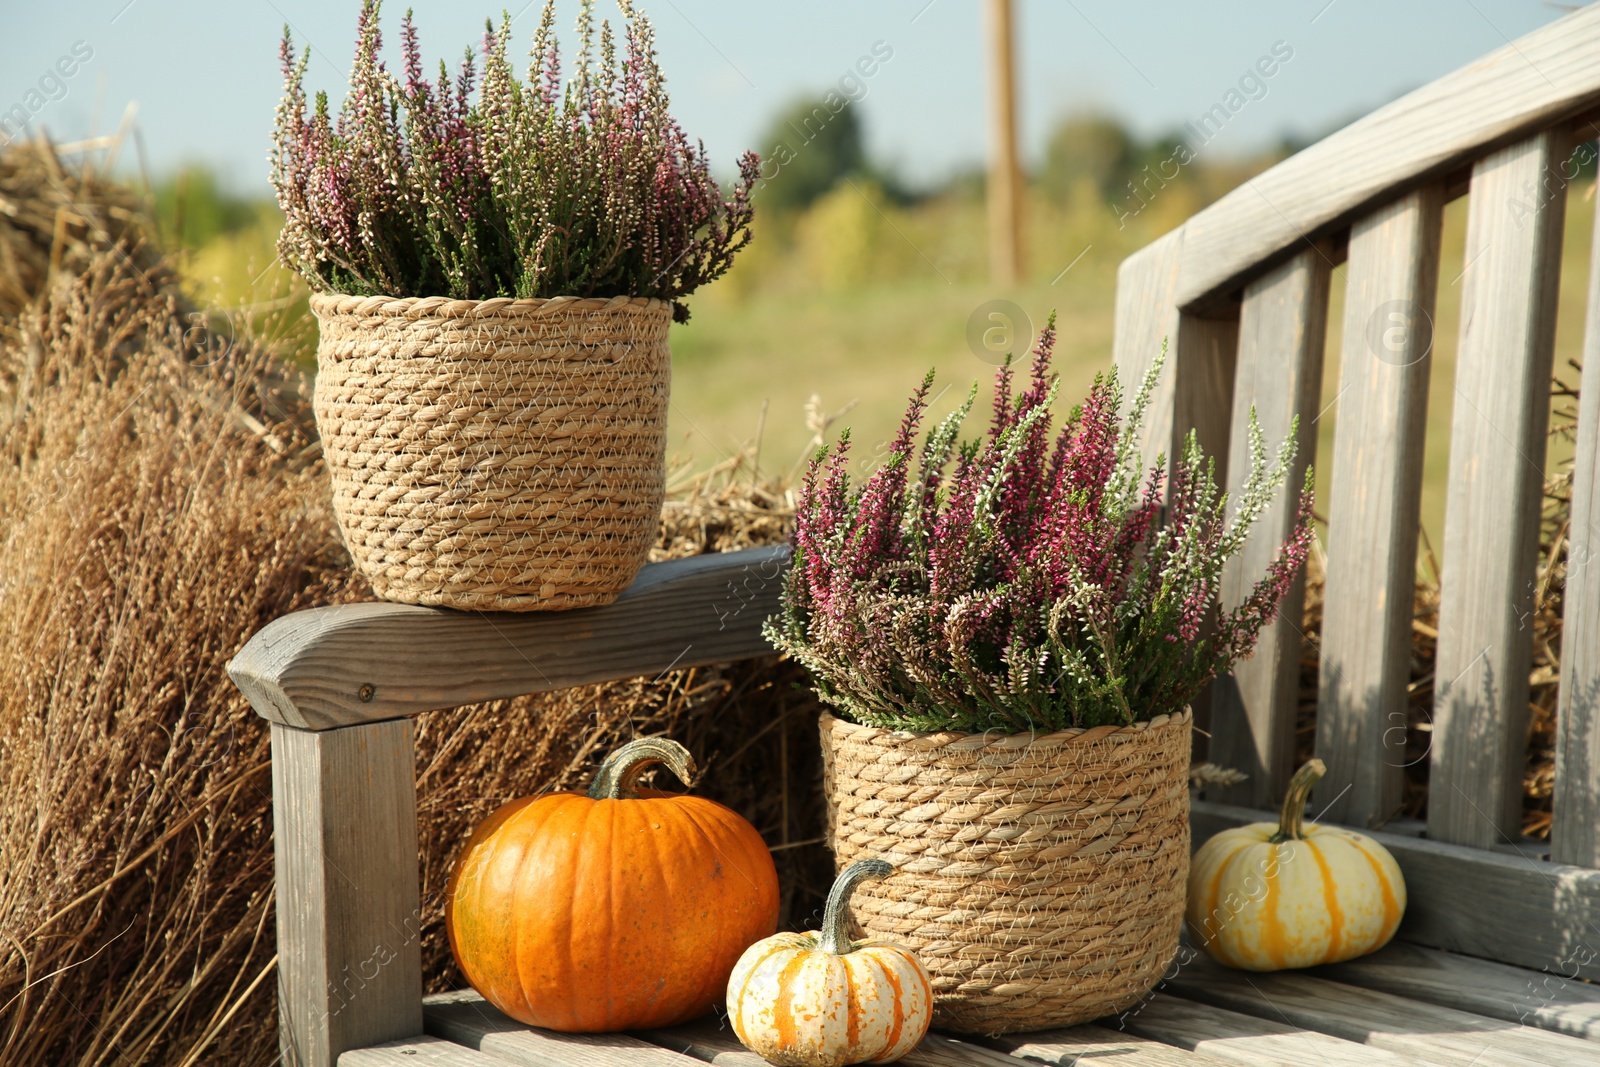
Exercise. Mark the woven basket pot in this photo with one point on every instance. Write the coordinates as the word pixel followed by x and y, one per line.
pixel 1040 877
pixel 504 455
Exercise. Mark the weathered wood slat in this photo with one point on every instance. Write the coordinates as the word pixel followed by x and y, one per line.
pixel 1491 533
pixel 1196 387
pixel 1147 320
pixel 1543 913
pixel 712 1041
pixel 941 1050
pixel 1240 1038
pixel 338 666
pixel 1206 359
pixel 1575 832
pixel 1392 275
pixel 418 1052
pixel 709 1040
pixel 1200 369
pixel 344 811
pixel 1282 330
pixel 1098 1046
pixel 468 1019
pixel 1535 80
pixel 1407 1027
pixel 1549 999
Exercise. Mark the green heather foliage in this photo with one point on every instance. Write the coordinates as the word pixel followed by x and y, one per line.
pixel 1018 583
pixel 483 185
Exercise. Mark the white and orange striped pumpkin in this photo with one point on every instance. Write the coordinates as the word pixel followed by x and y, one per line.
pixel 1267 897
pixel 820 1000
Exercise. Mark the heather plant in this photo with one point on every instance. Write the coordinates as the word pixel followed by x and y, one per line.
pixel 482 185
pixel 1024 580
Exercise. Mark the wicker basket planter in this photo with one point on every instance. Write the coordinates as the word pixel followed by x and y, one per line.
pixel 496 454
pixel 1040 878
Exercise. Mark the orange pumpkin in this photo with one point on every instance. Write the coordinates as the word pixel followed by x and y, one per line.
pixel 624 908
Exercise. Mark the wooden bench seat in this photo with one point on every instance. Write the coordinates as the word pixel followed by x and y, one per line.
pixel 1401 1007
pixel 347 918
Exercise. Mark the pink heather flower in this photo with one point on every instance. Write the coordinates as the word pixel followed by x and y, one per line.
pixel 477 185
pixel 1024 581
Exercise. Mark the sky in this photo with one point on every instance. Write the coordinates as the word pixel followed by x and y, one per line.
pixel 204 73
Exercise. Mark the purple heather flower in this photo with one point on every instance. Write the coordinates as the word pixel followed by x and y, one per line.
pixel 1032 583
pixel 477 185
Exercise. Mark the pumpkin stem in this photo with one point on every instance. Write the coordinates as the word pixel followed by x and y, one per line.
pixel 1291 826
pixel 836 915
pixel 618 777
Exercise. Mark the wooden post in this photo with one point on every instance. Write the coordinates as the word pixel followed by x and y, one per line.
pixel 1005 177
pixel 344 811
pixel 1575 836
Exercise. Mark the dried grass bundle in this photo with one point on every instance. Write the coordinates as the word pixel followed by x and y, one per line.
pixel 150 523
pixel 55 219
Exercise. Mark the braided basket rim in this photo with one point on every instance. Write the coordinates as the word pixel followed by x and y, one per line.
pixel 859 732
pixel 325 305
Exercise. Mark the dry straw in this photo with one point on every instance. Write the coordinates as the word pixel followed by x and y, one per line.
pixel 54 218
pixel 1040 878
pixel 503 455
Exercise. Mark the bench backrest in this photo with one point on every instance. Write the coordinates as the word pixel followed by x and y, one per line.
pixel 1240 294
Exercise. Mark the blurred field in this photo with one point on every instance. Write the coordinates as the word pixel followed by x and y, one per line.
pixel 853 298
pixel 870 341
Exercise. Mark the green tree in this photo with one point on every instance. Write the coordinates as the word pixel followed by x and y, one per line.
pixel 1092 147
pixel 193 207
pixel 810 145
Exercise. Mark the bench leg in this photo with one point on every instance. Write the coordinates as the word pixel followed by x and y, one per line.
pixel 344 809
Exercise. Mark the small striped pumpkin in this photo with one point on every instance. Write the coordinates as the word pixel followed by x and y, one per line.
pixel 820 1000
pixel 1268 897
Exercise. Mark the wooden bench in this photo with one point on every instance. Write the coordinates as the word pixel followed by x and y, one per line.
pixel 1241 294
